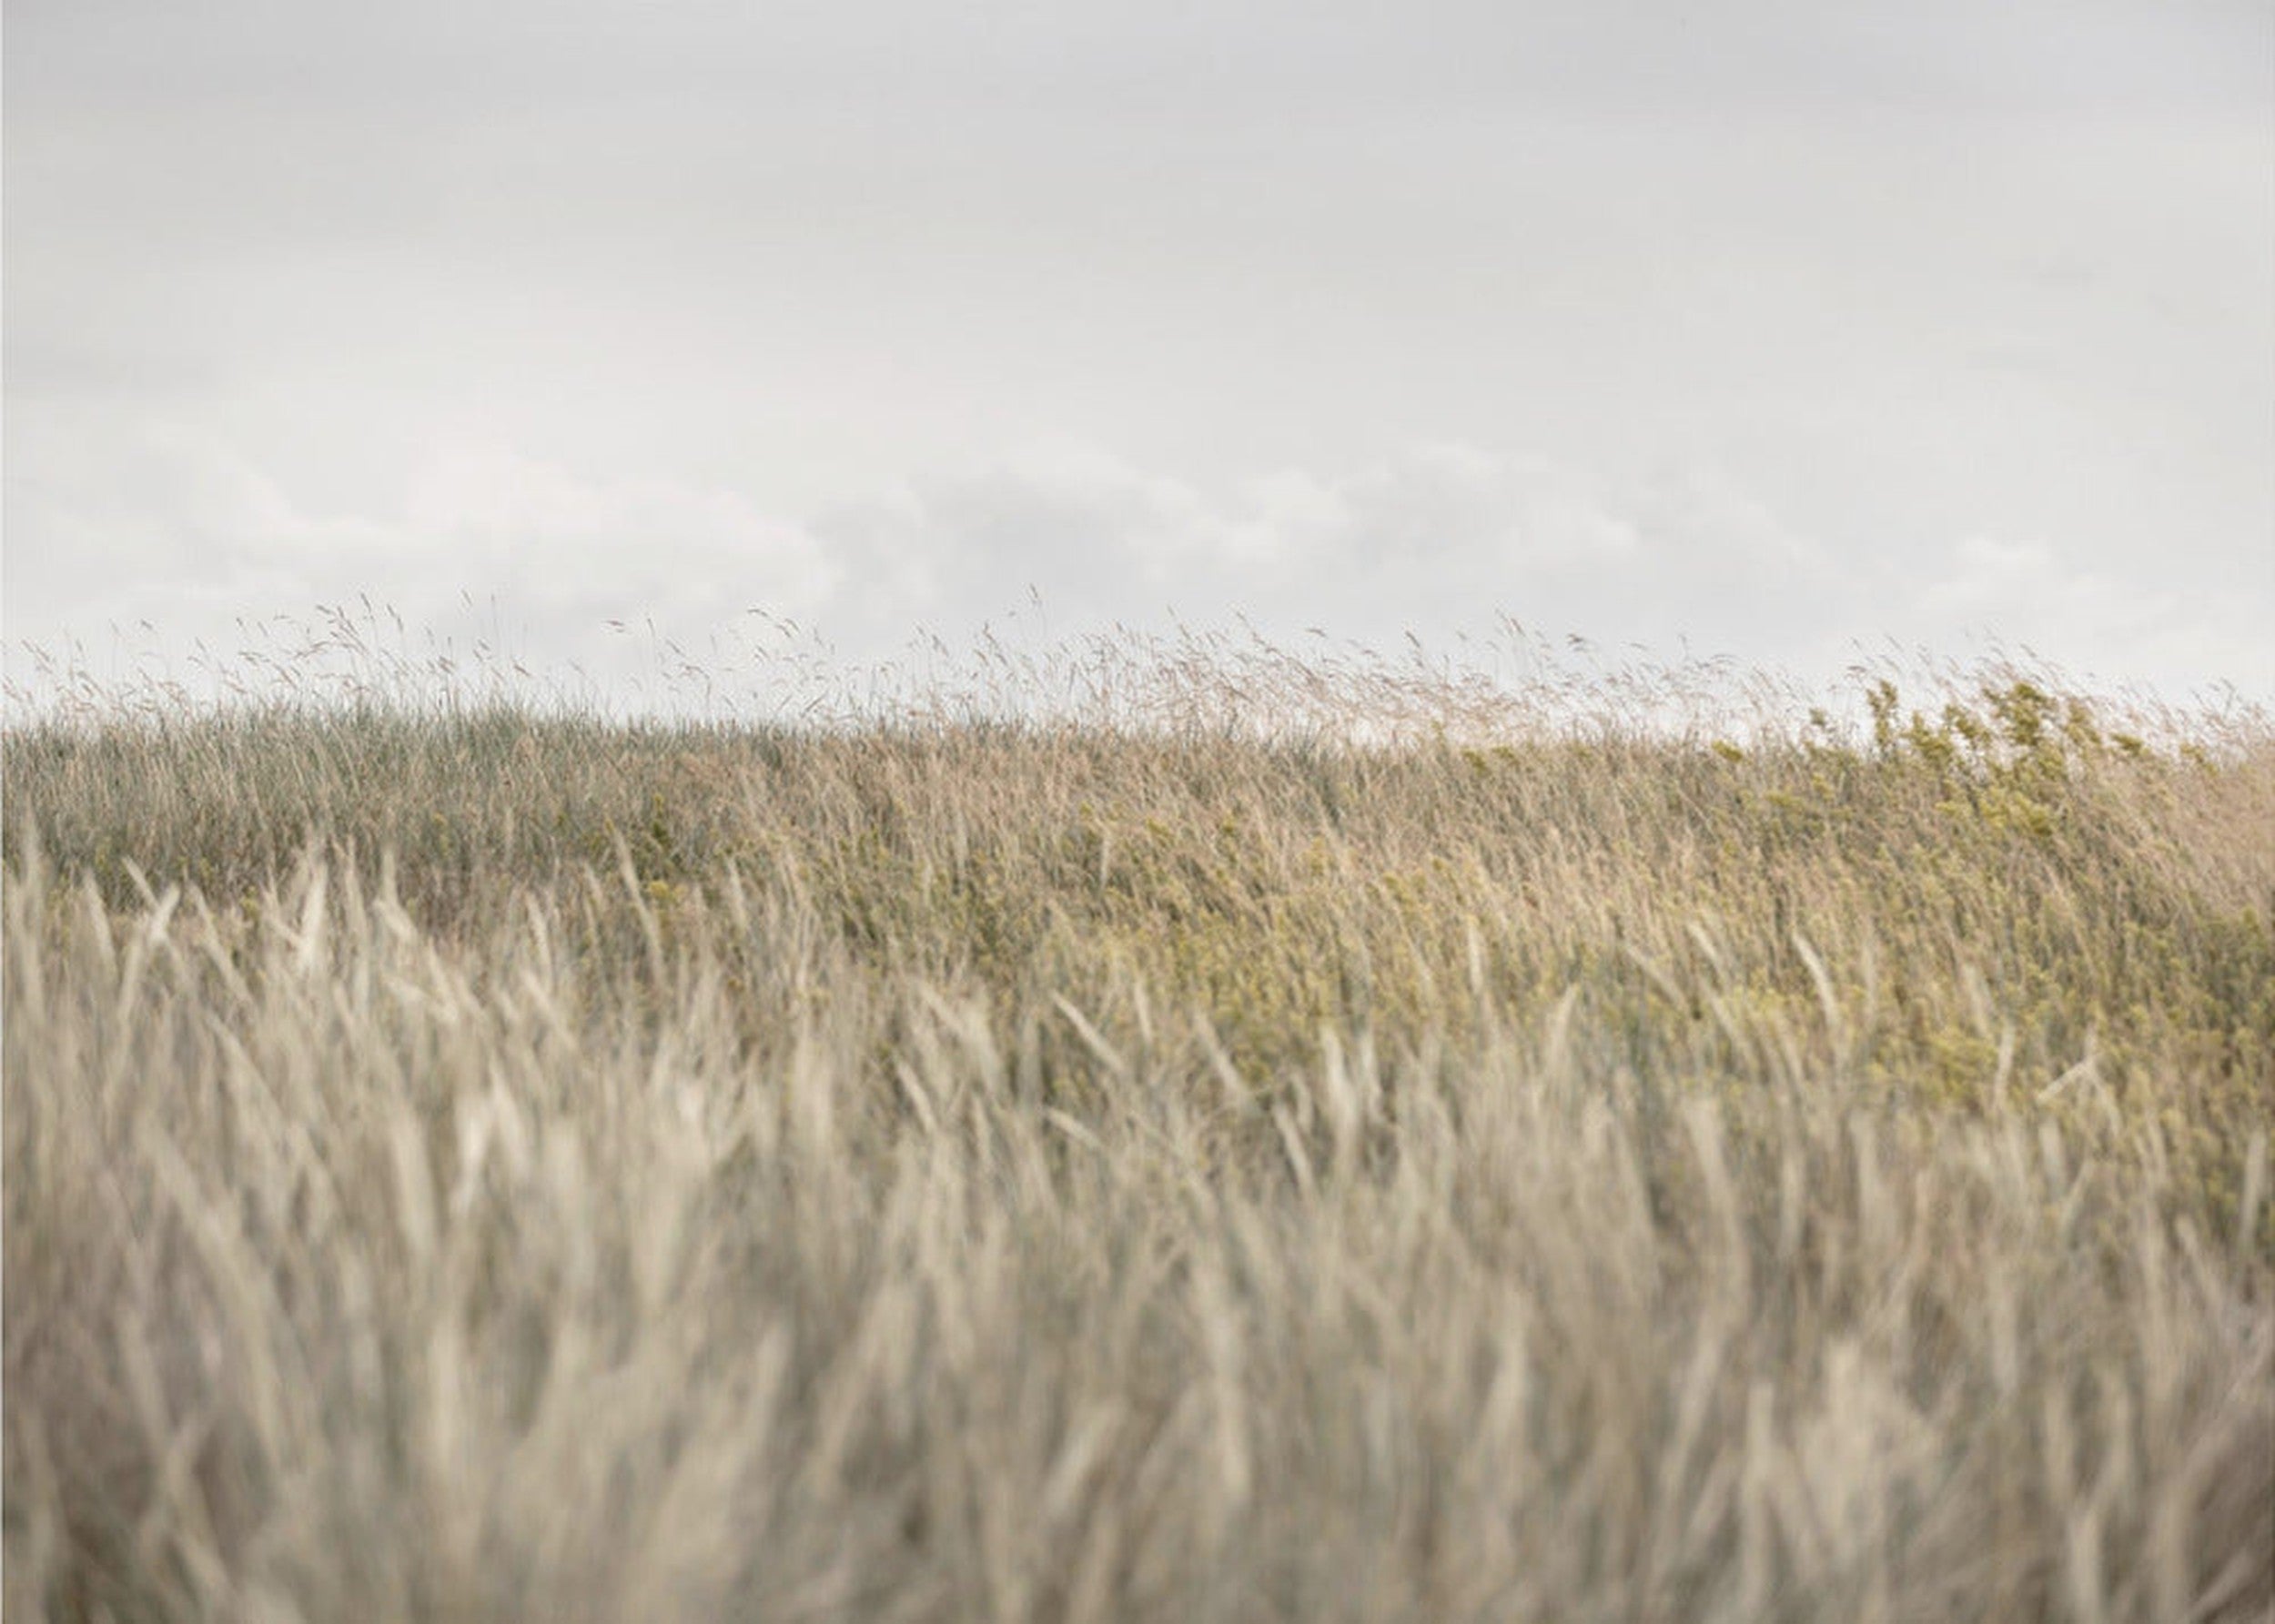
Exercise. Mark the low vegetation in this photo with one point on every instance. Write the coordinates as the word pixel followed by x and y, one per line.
pixel 480 1162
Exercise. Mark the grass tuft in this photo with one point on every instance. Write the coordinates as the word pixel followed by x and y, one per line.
pixel 1242 1140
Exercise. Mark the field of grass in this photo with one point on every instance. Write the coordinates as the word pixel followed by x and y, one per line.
pixel 468 1163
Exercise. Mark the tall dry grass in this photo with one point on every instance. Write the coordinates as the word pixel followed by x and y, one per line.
pixel 467 1163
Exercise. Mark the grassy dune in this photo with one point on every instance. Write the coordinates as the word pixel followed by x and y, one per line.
pixel 471 1164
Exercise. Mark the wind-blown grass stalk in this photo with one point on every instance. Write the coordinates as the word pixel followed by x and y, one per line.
pixel 482 1166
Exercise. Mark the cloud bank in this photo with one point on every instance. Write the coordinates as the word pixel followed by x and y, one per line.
pixel 564 573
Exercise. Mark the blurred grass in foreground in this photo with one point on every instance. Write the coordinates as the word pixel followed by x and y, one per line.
pixel 1376 1156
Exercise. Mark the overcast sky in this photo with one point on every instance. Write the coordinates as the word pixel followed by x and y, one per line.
pixel 1774 327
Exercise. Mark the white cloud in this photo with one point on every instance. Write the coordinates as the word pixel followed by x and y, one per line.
pixel 561 570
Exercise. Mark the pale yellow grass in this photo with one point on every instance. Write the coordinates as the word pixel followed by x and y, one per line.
pixel 488 1167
